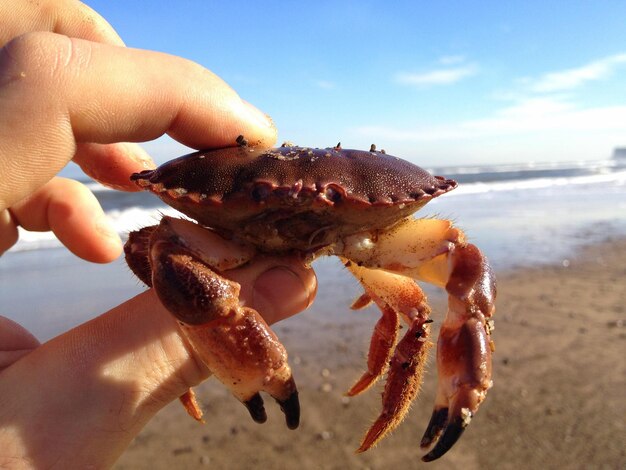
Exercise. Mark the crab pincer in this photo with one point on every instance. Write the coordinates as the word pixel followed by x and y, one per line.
pixel 464 350
pixel 234 342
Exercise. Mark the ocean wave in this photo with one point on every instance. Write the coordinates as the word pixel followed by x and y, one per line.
pixel 123 221
pixel 616 179
pixel 529 167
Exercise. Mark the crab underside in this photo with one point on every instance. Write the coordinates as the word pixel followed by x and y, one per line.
pixel 262 205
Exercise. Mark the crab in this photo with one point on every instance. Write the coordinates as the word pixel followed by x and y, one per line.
pixel 304 203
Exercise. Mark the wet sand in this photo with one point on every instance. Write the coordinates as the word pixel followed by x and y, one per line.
pixel 558 399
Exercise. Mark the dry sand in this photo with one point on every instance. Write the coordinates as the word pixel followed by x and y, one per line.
pixel 558 399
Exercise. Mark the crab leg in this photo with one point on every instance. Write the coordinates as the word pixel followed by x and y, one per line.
pixel 396 296
pixel 233 341
pixel 434 251
pixel 381 348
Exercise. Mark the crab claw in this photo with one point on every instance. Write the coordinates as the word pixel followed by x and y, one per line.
pixel 463 384
pixel 464 350
pixel 233 341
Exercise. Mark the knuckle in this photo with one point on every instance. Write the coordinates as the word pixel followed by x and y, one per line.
pixel 24 53
pixel 41 59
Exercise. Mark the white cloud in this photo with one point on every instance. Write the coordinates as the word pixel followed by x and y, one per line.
pixel 548 114
pixel 542 119
pixel 546 109
pixel 533 116
pixel 529 131
pixel 443 76
pixel 573 78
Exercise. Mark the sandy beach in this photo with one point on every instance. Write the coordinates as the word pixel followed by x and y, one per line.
pixel 557 402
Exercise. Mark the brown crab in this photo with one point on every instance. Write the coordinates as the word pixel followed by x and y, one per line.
pixel 293 201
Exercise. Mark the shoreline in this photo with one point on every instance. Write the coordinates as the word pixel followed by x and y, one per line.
pixel 557 401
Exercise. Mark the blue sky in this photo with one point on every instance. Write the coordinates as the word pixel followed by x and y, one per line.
pixel 439 83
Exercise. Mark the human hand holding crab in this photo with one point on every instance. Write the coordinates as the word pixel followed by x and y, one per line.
pixel 56 398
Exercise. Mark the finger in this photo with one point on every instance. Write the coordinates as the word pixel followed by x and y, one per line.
pixel 75 19
pixel 72 212
pixel 15 342
pixel 276 287
pixel 110 164
pixel 106 94
pixel 68 17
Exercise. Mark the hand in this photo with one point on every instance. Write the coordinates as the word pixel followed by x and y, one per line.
pixel 74 92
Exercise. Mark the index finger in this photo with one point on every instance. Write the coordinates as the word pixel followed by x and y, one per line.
pixel 56 92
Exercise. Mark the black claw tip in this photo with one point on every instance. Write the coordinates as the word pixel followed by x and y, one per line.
pixel 142 175
pixel 291 408
pixel 256 408
pixel 453 431
pixel 437 422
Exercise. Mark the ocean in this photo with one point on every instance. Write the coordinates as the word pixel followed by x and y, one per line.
pixel 519 215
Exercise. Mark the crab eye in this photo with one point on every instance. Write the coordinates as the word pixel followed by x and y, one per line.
pixel 259 192
pixel 332 194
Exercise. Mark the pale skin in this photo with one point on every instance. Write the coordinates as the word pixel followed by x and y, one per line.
pixel 70 90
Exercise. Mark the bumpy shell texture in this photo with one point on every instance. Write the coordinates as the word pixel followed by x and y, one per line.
pixel 244 186
pixel 368 176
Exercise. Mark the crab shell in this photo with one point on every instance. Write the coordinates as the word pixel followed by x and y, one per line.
pixel 293 198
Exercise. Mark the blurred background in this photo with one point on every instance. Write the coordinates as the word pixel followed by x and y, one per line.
pixel 523 103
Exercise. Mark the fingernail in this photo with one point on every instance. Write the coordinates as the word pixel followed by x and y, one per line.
pixel 105 228
pixel 110 244
pixel 257 116
pixel 279 293
pixel 137 153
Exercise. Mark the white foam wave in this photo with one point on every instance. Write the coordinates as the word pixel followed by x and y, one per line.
pixel 97 187
pixel 617 179
pixel 590 165
pixel 124 221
